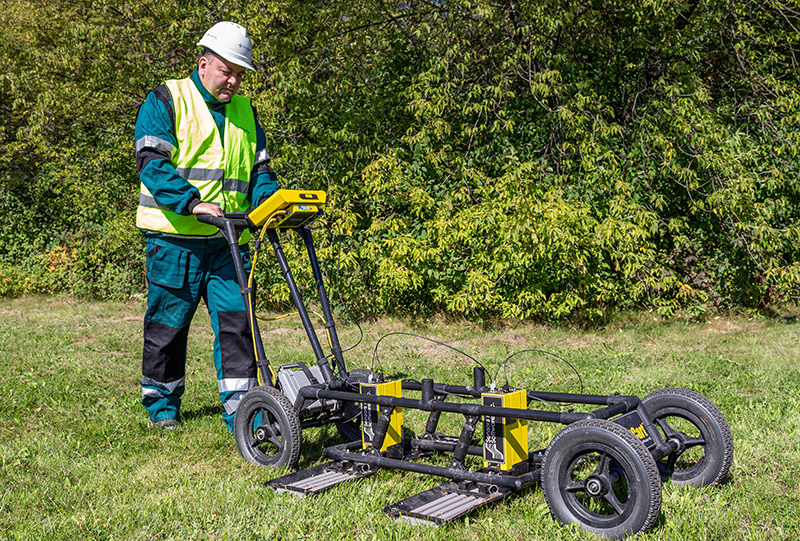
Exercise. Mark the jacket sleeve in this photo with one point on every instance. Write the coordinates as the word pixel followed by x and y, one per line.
pixel 263 179
pixel 155 142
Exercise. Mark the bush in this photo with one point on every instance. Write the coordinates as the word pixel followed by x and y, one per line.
pixel 503 159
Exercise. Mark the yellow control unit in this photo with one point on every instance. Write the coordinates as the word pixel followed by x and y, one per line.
pixel 505 440
pixel 370 414
pixel 288 208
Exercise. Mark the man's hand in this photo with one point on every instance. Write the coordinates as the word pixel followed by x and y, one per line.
pixel 207 208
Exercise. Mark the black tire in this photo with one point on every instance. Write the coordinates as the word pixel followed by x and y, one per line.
pixel 705 443
pixel 598 475
pixel 350 430
pixel 267 429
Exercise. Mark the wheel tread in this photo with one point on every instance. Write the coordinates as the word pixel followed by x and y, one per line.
pixel 641 451
pixel 292 440
pixel 716 415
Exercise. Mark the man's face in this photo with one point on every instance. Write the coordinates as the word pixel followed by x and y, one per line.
pixel 220 77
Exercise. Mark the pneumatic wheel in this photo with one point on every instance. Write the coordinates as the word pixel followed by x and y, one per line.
pixel 350 429
pixel 267 429
pixel 697 430
pixel 600 476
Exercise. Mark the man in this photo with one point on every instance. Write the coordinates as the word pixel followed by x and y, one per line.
pixel 199 150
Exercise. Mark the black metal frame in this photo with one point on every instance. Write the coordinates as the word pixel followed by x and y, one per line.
pixel 231 227
pixel 626 410
pixel 432 400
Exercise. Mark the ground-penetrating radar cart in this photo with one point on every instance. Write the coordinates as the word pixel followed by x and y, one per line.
pixel 603 470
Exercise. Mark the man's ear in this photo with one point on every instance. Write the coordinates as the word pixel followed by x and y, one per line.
pixel 202 64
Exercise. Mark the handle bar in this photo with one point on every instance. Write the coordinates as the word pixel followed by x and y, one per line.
pixel 238 220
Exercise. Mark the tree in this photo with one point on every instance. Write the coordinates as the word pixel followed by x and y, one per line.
pixel 513 159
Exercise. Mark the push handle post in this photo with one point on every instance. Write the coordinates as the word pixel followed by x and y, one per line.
pixel 231 227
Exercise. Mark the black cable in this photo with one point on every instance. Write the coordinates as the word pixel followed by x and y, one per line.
pixel 562 359
pixel 375 358
pixel 375 352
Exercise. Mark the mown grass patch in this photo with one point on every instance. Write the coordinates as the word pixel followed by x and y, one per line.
pixel 79 460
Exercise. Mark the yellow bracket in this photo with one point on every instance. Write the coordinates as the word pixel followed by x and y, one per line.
pixel 370 414
pixel 505 440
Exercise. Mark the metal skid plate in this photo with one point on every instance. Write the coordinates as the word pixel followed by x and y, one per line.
pixel 445 503
pixel 320 477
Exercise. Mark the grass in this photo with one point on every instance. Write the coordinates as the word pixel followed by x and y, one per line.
pixel 79 460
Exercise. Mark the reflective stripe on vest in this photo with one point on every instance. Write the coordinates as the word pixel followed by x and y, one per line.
pixel 220 170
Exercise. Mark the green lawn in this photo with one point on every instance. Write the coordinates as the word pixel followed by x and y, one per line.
pixel 79 459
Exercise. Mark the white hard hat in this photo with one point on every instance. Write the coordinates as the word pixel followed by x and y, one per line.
pixel 229 40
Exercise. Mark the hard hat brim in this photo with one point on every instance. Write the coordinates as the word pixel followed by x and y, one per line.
pixel 228 57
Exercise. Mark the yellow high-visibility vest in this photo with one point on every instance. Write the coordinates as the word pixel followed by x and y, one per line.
pixel 219 170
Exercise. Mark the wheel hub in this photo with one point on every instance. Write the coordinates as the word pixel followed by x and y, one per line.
pixel 677 443
pixel 595 487
pixel 261 434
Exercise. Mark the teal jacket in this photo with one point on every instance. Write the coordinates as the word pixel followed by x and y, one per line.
pixel 155 135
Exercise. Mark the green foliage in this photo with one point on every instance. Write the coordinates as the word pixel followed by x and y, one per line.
pixel 491 159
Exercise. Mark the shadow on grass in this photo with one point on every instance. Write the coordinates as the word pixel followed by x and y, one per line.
pixel 783 314
pixel 314 441
pixel 205 411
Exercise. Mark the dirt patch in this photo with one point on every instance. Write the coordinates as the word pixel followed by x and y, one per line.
pixel 725 326
pixel 516 340
pixel 435 352
pixel 582 341
pixel 278 332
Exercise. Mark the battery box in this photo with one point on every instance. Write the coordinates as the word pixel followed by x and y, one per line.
pixel 370 414
pixel 505 440
pixel 288 208
pixel 292 377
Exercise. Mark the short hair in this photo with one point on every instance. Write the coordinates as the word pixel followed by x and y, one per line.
pixel 208 53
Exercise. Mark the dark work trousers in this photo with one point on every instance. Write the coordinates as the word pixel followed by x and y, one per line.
pixel 181 271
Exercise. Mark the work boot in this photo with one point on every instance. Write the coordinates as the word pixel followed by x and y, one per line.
pixel 167 424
